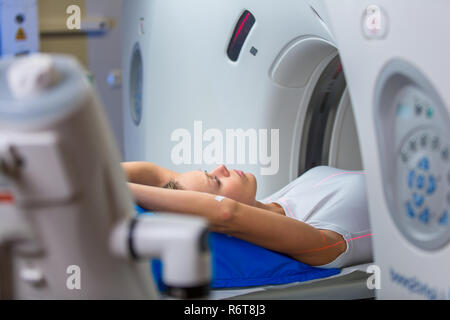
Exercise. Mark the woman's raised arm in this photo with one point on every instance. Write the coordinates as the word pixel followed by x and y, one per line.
pixel 148 173
pixel 258 226
pixel 181 201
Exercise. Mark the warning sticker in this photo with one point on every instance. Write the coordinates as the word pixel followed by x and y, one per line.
pixel 20 35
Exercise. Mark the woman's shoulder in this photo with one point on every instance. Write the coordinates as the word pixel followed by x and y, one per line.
pixel 325 175
pixel 327 171
pixel 321 176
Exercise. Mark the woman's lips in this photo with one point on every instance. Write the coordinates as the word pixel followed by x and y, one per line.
pixel 240 173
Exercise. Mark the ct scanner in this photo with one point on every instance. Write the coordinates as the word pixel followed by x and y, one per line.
pixel 228 67
pixel 395 55
pixel 201 70
pixel 197 73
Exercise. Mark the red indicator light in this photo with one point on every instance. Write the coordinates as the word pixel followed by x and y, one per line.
pixel 6 198
pixel 240 27
pixel 240 34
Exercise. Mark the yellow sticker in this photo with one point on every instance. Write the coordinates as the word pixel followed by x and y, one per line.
pixel 20 35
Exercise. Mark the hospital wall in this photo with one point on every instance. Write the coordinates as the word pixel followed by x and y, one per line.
pixel 98 52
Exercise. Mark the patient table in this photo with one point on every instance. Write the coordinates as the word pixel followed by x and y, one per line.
pixel 350 284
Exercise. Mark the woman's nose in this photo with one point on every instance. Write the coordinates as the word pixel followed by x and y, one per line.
pixel 221 171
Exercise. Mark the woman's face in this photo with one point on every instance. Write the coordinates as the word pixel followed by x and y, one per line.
pixel 233 184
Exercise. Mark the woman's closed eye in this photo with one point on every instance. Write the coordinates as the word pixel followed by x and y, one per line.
pixel 219 183
pixel 217 180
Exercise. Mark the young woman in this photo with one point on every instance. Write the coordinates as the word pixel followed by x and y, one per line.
pixel 320 219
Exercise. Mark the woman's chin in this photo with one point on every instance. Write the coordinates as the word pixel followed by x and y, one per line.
pixel 254 183
pixel 252 178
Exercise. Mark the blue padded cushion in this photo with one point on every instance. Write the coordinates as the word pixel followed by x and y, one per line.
pixel 238 263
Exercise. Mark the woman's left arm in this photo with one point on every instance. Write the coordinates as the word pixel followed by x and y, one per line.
pixel 264 228
pixel 148 173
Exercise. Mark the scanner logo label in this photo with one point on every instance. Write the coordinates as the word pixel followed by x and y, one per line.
pixel 236 146
pixel 416 286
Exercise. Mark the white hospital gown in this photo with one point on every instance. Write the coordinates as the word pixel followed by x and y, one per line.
pixel 331 199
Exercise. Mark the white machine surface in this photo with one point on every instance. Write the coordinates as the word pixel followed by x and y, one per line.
pixel 395 56
pixel 72 233
pixel 253 84
pixel 19 28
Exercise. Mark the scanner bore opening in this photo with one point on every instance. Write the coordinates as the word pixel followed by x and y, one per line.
pixel 321 116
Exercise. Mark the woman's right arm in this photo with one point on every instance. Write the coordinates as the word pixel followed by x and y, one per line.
pixel 147 173
pixel 276 232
